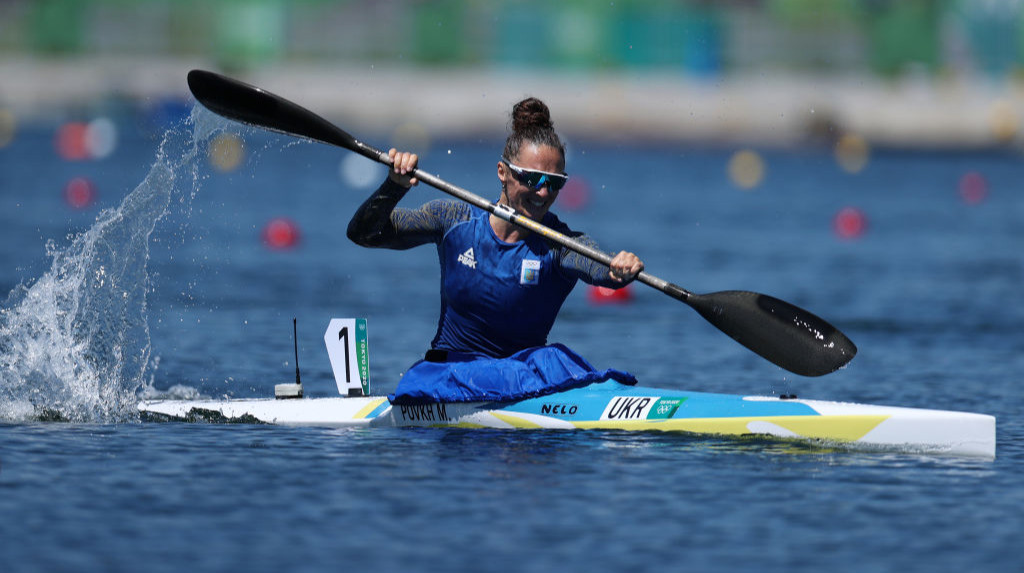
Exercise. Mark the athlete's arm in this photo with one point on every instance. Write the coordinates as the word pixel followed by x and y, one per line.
pixel 625 266
pixel 623 269
pixel 380 223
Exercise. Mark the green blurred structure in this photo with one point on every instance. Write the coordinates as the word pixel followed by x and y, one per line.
pixel 698 38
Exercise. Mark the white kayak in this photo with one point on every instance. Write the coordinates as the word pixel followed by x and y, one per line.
pixel 606 405
pixel 610 405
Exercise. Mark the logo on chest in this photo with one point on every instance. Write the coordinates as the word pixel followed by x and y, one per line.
pixel 468 258
pixel 530 272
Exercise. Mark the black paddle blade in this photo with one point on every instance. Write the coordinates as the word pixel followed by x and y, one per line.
pixel 786 335
pixel 251 105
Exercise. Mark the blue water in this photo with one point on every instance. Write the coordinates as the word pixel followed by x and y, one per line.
pixel 164 288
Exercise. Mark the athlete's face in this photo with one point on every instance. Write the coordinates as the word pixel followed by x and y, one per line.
pixel 527 201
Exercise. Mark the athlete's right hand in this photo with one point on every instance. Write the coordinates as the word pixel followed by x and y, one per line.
pixel 403 163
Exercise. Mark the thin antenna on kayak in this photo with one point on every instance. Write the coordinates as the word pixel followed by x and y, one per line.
pixel 295 338
pixel 287 391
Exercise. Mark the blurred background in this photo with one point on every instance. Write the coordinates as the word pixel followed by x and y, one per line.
pixel 906 73
pixel 860 159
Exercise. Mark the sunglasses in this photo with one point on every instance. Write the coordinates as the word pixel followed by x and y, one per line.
pixel 536 179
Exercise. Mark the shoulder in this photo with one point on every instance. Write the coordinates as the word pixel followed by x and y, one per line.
pixel 567 257
pixel 449 210
pixel 553 222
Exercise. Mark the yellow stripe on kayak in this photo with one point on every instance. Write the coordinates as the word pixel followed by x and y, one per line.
pixel 837 428
pixel 365 411
pixel 516 421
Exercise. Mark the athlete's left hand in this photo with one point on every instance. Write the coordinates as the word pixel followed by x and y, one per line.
pixel 624 267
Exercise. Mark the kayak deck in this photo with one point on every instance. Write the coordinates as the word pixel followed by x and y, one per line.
pixel 613 406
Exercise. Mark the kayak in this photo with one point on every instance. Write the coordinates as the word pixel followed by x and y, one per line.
pixel 610 405
pixel 603 405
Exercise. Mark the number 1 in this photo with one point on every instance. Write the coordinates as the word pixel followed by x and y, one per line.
pixel 343 335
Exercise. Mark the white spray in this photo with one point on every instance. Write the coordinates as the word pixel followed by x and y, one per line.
pixel 75 342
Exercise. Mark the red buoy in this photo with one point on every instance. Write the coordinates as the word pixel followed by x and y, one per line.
pixel 281 233
pixel 850 223
pixel 604 295
pixel 79 193
pixel 973 188
pixel 71 141
pixel 575 195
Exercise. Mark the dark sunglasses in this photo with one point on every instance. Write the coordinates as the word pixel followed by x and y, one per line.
pixel 536 179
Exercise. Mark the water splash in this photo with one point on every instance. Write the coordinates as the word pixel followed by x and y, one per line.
pixel 75 342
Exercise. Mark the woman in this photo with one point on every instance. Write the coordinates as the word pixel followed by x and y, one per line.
pixel 501 285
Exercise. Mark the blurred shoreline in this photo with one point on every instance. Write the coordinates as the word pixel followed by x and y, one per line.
pixel 764 108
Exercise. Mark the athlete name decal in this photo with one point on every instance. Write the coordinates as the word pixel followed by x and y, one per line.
pixel 424 413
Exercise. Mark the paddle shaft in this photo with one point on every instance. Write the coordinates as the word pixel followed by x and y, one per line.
pixel 508 214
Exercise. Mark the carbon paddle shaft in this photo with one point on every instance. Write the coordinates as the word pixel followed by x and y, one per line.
pixel 778 331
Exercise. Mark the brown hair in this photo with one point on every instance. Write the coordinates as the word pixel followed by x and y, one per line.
pixel 531 123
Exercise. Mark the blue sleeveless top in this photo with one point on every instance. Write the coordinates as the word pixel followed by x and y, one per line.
pixel 496 298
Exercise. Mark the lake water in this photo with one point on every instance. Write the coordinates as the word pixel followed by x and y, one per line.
pixel 164 287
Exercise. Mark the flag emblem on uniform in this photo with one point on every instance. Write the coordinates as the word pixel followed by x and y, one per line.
pixel 530 273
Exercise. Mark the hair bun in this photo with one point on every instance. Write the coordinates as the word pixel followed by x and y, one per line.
pixel 531 113
pixel 531 124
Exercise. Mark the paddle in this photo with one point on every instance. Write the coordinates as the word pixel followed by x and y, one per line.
pixel 784 334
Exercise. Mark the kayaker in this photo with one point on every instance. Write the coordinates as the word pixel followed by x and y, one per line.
pixel 501 285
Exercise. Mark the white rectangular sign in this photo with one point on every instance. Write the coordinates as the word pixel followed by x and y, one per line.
pixel 347 348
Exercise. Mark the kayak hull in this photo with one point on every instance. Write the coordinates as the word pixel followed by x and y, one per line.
pixel 612 406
